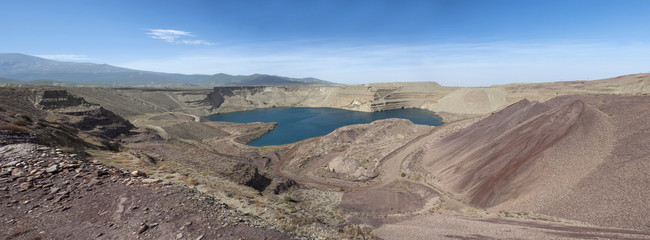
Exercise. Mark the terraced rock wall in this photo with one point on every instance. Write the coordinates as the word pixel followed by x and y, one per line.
pixel 367 98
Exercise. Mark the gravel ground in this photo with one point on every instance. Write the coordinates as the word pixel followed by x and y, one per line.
pixel 456 227
pixel 48 194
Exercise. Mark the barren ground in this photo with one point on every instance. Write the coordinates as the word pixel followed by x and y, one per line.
pixel 571 166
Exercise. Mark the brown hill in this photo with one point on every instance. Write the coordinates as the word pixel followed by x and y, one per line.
pixel 627 84
pixel 541 157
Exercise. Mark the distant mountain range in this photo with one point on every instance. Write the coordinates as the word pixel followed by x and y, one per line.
pixel 18 68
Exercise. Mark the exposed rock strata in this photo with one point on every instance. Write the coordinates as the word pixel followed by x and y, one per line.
pixel 101 121
pixel 369 97
pixel 54 99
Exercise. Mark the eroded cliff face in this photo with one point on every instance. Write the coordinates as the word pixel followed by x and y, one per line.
pixel 53 99
pixel 368 97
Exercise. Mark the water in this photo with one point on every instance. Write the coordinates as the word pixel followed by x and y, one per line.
pixel 295 124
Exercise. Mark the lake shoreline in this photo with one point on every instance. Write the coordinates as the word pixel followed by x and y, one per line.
pixel 299 123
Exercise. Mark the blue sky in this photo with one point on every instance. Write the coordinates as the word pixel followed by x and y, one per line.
pixel 455 43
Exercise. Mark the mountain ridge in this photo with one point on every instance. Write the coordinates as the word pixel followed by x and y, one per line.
pixel 26 68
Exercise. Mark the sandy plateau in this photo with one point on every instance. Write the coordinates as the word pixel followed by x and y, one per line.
pixel 555 160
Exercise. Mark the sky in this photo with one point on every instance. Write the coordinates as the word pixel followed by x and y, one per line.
pixel 452 42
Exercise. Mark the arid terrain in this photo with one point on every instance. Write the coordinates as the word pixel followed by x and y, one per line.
pixel 554 160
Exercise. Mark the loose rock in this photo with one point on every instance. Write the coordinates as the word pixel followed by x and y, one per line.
pixel 138 174
pixel 52 169
pixel 25 185
pixel 17 173
pixel 151 180
pixel 93 182
pixel 143 228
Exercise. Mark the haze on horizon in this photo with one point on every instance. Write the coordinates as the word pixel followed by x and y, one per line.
pixel 455 43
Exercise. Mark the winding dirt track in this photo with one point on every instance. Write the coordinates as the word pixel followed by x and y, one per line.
pixel 391 164
pixel 514 136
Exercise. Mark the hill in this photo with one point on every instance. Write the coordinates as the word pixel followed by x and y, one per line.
pixel 576 157
pixel 9 81
pixel 29 68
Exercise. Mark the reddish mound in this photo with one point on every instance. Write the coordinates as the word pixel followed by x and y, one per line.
pixel 491 167
pixel 497 123
pixel 531 156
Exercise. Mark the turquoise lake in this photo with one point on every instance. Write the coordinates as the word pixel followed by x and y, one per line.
pixel 295 124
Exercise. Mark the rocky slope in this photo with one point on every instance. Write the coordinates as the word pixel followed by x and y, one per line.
pixel 49 194
pixel 54 151
pixel 539 157
pixel 55 118
pixel 131 102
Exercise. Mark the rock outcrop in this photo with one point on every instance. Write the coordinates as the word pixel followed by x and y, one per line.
pixel 57 118
pixel 78 113
pixel 101 121
pixel 55 99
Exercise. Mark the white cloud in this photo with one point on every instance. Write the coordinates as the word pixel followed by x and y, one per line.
pixel 167 34
pixel 66 57
pixel 480 64
pixel 196 42
pixel 175 36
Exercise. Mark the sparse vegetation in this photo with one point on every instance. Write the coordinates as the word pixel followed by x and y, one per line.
pixel 403 174
pixel 357 232
pixel 506 213
pixel 192 182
